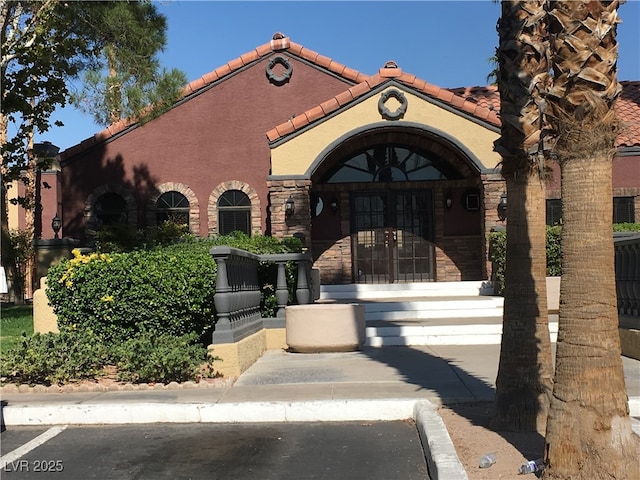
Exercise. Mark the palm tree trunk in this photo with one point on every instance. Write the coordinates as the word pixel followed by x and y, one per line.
pixel 525 375
pixel 524 381
pixel 589 432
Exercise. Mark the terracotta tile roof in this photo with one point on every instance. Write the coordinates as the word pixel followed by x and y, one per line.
pixel 480 102
pixel 279 42
pixel 627 106
pixel 389 72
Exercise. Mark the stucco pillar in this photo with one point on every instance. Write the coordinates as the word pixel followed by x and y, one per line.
pixel 299 223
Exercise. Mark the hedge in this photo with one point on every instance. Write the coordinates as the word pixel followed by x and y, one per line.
pixel 498 245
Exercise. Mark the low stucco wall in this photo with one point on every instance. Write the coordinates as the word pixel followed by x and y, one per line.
pixel 44 320
pixel 236 358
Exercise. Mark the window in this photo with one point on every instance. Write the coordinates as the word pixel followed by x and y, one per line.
pixel 111 209
pixel 234 213
pixel 554 212
pixel 391 163
pixel 174 207
pixel 623 210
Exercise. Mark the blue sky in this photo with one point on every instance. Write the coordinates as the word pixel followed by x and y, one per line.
pixel 447 43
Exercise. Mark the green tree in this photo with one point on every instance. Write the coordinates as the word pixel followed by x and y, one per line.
pixel 589 432
pixel 45 45
pixel 41 49
pixel 524 381
pixel 127 80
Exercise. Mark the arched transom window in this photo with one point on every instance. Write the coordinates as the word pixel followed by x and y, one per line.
pixel 174 207
pixel 234 212
pixel 391 163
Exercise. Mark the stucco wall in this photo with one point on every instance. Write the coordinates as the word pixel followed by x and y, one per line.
pixel 215 137
pixel 295 156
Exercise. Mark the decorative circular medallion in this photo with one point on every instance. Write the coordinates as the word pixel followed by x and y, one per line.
pixel 400 111
pixel 279 79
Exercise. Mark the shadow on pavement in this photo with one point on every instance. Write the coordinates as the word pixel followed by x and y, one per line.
pixel 433 372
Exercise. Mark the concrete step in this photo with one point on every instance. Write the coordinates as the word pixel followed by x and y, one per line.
pixel 405 290
pixel 441 331
pixel 434 307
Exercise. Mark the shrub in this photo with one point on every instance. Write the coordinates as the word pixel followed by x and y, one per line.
pixel 554 251
pixel 626 227
pixel 119 295
pixel 54 358
pixel 163 358
pixel 497 254
pixel 168 290
pixel 498 244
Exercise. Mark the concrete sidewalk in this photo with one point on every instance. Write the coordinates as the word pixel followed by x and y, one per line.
pixel 389 383
pixel 279 381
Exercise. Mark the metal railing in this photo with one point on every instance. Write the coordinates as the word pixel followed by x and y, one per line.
pixel 237 296
pixel 627 254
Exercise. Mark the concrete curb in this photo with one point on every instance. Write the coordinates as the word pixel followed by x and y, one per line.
pixel 442 458
pixel 439 451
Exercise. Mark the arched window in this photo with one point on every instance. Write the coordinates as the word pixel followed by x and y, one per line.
pixel 234 212
pixel 110 209
pixel 391 163
pixel 174 207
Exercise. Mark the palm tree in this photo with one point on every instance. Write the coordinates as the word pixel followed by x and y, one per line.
pixel 524 382
pixel 589 432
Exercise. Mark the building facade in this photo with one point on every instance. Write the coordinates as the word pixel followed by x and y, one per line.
pixel 385 177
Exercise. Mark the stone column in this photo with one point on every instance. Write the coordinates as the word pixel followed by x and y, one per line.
pixel 493 187
pixel 299 223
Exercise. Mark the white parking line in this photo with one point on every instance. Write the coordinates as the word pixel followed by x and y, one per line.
pixel 27 447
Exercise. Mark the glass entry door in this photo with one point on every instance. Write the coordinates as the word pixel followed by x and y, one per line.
pixel 392 236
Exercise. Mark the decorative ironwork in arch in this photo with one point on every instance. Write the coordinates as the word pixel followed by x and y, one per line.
pixel 385 163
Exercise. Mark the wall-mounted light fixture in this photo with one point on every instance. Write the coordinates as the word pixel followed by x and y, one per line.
pixel 56 225
pixel 334 205
pixel 502 207
pixel 448 201
pixel 289 206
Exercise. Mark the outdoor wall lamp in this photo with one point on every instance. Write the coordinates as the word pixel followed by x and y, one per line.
pixel 56 225
pixel 289 206
pixel 502 207
pixel 334 205
pixel 448 201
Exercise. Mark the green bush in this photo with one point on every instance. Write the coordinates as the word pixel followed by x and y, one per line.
pixel 626 227
pixel 554 251
pixel 54 358
pixel 150 357
pixel 168 290
pixel 498 246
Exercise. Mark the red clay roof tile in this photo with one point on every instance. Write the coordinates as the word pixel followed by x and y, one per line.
pixel 330 105
pixel 235 64
pixel 299 121
pixel 249 57
pixel 344 97
pixel 285 128
pixel 314 113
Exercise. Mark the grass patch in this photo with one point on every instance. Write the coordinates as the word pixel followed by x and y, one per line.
pixel 14 320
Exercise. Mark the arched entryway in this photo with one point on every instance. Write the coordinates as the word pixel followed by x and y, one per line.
pixel 396 204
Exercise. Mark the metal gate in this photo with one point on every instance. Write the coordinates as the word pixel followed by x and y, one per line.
pixel 392 236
